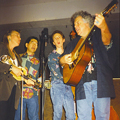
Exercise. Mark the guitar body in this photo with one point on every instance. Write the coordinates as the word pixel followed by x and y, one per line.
pixel 73 74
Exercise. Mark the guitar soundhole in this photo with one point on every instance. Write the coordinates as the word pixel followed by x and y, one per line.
pixel 75 61
pixel 71 66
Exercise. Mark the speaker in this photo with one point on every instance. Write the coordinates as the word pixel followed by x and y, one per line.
pixel 116 101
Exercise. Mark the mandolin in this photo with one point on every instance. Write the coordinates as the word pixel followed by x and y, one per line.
pixel 8 60
pixel 81 55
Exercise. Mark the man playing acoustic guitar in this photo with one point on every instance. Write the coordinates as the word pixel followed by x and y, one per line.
pixel 95 87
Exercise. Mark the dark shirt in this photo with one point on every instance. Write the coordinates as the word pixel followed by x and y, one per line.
pixel 7 81
pixel 105 59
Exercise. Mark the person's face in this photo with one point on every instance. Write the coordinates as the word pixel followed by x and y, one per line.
pixel 32 46
pixel 82 28
pixel 58 40
pixel 14 38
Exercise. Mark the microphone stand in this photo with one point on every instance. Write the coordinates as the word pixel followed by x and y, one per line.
pixel 21 99
pixel 43 38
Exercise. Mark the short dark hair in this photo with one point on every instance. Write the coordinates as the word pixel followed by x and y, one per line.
pixel 56 31
pixel 51 37
pixel 29 39
pixel 87 17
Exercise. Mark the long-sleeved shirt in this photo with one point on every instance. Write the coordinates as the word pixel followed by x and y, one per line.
pixel 31 64
pixel 53 64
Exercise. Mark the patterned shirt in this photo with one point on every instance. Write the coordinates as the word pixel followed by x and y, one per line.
pixel 31 64
pixel 53 64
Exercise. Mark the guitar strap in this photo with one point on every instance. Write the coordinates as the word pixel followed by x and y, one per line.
pixel 91 53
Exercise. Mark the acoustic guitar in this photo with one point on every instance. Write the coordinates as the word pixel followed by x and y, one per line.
pixel 81 55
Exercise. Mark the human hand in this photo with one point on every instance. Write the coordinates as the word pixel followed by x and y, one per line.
pixel 100 21
pixel 29 82
pixel 105 32
pixel 66 59
pixel 17 71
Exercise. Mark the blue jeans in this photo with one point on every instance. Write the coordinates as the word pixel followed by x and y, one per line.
pixel 32 106
pixel 101 105
pixel 62 96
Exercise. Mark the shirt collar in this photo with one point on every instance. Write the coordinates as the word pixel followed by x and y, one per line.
pixel 26 54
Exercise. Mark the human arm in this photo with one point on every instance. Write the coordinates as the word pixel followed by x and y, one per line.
pixel 33 72
pixel 105 33
pixel 6 62
pixel 32 81
pixel 53 64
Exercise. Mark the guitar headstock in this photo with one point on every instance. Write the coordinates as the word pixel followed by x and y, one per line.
pixel 110 7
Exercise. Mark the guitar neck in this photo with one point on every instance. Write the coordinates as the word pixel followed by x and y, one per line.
pixel 92 30
pixel 110 7
pixel 105 12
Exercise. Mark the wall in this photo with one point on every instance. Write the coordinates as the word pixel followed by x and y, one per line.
pixel 113 23
pixel 18 11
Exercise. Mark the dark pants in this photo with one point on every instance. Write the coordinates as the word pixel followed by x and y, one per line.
pixel 7 110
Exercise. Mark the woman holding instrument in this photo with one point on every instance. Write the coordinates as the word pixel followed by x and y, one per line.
pixel 9 86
